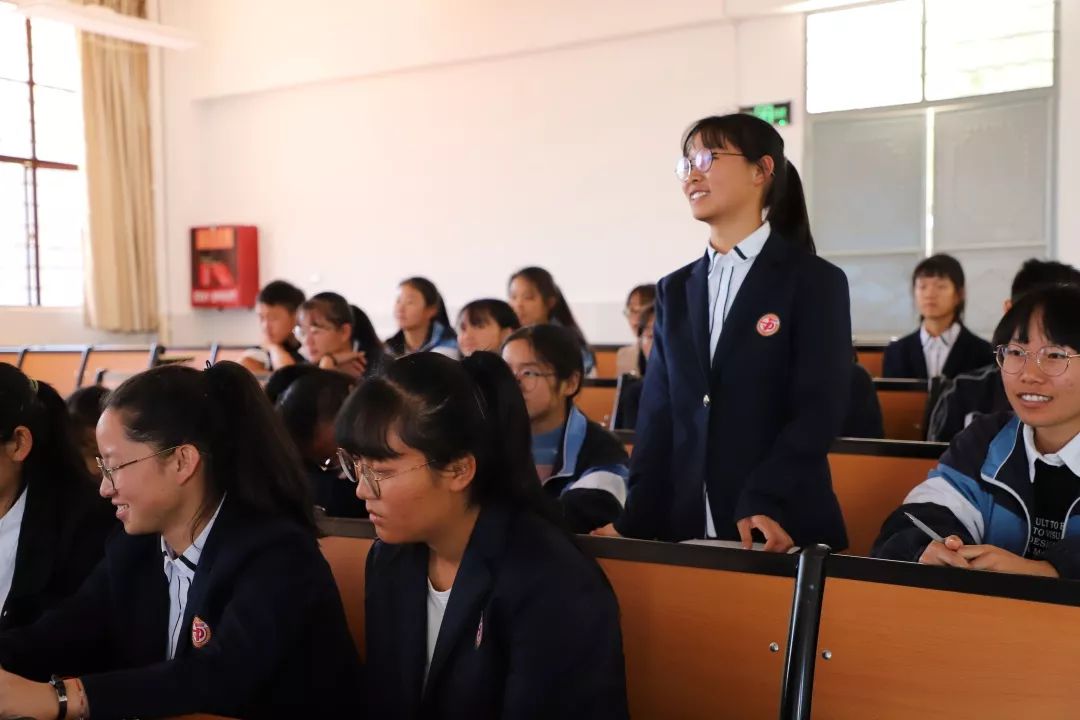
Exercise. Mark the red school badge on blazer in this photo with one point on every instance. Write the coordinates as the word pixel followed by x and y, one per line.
pixel 200 632
pixel 768 324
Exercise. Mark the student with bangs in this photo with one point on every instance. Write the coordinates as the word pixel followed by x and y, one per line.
pixel 215 598
pixel 750 371
pixel 639 301
pixel 579 463
pixel 478 604
pixel 537 300
pixel 942 346
pixel 1006 494
pixel 485 325
pixel 423 323
pixel 338 336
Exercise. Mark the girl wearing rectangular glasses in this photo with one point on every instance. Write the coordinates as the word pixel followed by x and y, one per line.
pixel 215 598
pixel 750 370
pixel 1006 493
pixel 580 464
pixel 478 605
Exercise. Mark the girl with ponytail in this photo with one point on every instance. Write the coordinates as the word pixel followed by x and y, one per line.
pixel 478 604
pixel 244 621
pixel 750 368
pixel 52 523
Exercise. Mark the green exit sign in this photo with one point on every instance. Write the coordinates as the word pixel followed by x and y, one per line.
pixel 778 114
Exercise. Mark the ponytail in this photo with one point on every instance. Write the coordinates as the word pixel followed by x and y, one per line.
pixel 54 456
pixel 755 139
pixel 224 413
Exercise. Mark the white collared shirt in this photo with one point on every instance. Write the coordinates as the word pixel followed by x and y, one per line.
pixel 727 271
pixel 10 529
pixel 936 349
pixel 1068 455
pixel 180 571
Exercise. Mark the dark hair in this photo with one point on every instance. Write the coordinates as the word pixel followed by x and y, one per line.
pixel 646 293
pixel 223 412
pixel 331 306
pixel 282 378
pixel 647 314
pixel 555 346
pixel 431 297
pixel 480 312
pixel 1058 310
pixel 756 139
pixel 560 310
pixel 447 409
pixel 54 456
pixel 943 266
pixel 1034 273
pixel 279 292
pixel 84 406
pixel 312 398
pixel 366 340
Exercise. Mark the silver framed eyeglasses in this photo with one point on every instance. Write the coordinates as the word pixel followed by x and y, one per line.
pixel 357 472
pixel 701 161
pixel 108 472
pixel 1053 360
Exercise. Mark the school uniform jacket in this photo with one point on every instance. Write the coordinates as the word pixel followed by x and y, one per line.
pixel 904 358
pixel 980 491
pixel 61 540
pixel 590 483
pixel 441 339
pixel 754 423
pixel 531 629
pixel 263 635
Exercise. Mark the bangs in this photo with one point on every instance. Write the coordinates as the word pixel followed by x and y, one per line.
pixel 476 315
pixel 714 133
pixel 367 418
pixel 1055 309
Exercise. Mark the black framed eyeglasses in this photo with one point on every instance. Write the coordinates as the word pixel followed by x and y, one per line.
pixel 357 471
pixel 1051 359
pixel 107 472
pixel 701 161
pixel 527 379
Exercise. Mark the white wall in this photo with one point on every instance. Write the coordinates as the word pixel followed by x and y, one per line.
pixel 554 147
pixel 1068 166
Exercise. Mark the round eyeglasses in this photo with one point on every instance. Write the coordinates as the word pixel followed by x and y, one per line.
pixel 1052 359
pixel 701 161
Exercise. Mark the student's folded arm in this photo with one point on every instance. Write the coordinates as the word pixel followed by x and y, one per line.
pixel 566 657
pixel 820 383
pixel 899 539
pixel 1064 555
pixel 650 482
pixel 272 605
pixel 69 639
pixel 596 499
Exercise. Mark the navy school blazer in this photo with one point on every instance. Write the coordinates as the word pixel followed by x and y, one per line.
pixel 904 358
pixel 277 644
pixel 531 629
pixel 61 541
pixel 755 424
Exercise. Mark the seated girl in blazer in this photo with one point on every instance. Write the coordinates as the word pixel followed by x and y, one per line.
pixel 750 370
pixel 338 336
pixel 421 316
pixel 485 325
pixel 942 346
pixel 537 300
pixel 639 301
pixel 215 598
pixel 53 525
pixel 1006 493
pixel 478 604
pixel 580 464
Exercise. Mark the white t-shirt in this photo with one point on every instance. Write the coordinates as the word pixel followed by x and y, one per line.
pixel 436 608
pixel 10 529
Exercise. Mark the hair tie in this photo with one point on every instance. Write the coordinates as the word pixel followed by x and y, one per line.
pixel 33 385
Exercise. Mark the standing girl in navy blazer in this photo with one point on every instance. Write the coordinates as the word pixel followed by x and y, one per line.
pixel 750 369
pixel 942 346
pixel 478 604
pixel 216 598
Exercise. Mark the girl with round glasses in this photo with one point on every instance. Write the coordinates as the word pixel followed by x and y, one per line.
pixel 215 598
pixel 1006 493
pixel 750 369
pixel 52 523
pixel 580 464
pixel 478 604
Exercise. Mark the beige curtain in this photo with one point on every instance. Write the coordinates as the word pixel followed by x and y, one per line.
pixel 121 288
